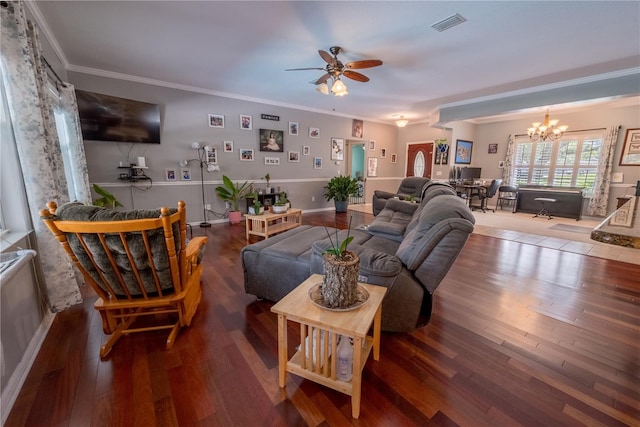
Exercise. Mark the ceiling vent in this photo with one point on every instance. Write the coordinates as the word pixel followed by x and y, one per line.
pixel 449 22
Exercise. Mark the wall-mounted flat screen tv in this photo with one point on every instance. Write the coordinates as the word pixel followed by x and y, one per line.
pixel 109 118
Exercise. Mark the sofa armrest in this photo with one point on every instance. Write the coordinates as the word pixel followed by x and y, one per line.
pixel 402 206
pixel 380 194
pixel 372 262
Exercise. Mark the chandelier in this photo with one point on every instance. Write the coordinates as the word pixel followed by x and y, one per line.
pixel 547 130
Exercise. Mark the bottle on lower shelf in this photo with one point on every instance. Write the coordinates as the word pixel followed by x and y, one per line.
pixel 344 368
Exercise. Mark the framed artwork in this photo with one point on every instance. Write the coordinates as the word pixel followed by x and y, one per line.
pixel 631 149
pixel 493 148
pixel 624 214
pixel 170 175
pixel 271 140
pixel 246 122
pixel 337 149
pixel 228 146
pixel 372 145
pixel 306 150
pixel 314 133
pixel 357 128
pixel 216 121
pixel 383 153
pixel 441 157
pixel 294 156
pixel 372 166
pixel 246 155
pixel 501 164
pixel 394 158
pixel 212 156
pixel 463 152
pixel 272 161
pixel 185 174
pixel 317 162
pixel 293 128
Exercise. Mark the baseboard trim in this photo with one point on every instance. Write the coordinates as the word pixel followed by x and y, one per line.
pixel 19 376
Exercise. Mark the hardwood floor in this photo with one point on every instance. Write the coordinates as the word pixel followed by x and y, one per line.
pixel 520 335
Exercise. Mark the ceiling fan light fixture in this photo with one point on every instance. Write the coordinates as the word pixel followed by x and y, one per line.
pixel 402 122
pixel 323 88
pixel 339 88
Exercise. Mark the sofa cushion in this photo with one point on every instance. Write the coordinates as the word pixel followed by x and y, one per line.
pixel 75 211
pixel 414 248
pixel 392 221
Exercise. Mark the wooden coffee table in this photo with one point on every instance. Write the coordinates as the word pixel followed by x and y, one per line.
pixel 268 224
pixel 323 326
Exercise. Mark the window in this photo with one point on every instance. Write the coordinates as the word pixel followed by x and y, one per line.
pixel 571 162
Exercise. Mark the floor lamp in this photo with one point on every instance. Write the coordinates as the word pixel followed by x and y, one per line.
pixel 203 159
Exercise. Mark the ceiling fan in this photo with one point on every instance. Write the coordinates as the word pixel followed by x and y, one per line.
pixel 335 68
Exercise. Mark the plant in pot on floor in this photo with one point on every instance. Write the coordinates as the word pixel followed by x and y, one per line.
pixel 233 193
pixel 339 188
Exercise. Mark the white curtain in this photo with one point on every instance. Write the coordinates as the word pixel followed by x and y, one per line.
pixel 600 198
pixel 507 172
pixel 32 116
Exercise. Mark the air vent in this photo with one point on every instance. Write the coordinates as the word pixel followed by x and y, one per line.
pixel 449 22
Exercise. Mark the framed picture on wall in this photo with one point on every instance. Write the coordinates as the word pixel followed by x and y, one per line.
pixel 275 161
pixel 228 146
pixel 372 145
pixel 212 156
pixel 306 150
pixel 357 128
pixel 631 149
pixel 463 152
pixel 317 162
pixel 246 122
pixel 185 174
pixel 493 148
pixel 383 153
pixel 294 156
pixel 314 133
pixel 271 140
pixel 246 154
pixel 372 166
pixel 394 158
pixel 293 128
pixel 337 149
pixel 216 121
pixel 170 175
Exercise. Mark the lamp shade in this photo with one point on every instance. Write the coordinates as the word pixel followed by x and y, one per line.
pixel 323 88
pixel 338 87
pixel 402 122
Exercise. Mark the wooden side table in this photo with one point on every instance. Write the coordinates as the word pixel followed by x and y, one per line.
pixel 268 224
pixel 322 327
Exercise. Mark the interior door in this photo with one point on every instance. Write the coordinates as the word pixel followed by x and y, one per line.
pixel 355 167
pixel 419 158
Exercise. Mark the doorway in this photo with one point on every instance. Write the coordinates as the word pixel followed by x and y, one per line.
pixel 419 159
pixel 355 168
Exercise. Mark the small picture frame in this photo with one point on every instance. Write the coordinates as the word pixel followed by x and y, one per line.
pixel 372 166
pixel 272 161
pixel 246 122
pixel 372 145
pixel 317 162
pixel 630 155
pixel 294 156
pixel 228 146
pixel 394 158
pixel 246 155
pixel 185 174
pixel 501 164
pixel 306 150
pixel 337 149
pixel 170 174
pixel 383 153
pixel 216 121
pixel 357 128
pixel 294 128
pixel 212 156
pixel 314 133
pixel 493 148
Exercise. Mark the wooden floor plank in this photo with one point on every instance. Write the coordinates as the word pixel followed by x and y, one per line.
pixel 519 335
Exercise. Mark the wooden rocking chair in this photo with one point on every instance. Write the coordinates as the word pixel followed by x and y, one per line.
pixel 137 262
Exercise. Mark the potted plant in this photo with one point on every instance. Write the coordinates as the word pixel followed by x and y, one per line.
pixel 442 145
pixel 233 193
pixel 340 268
pixel 267 178
pixel 107 200
pixel 339 188
pixel 281 205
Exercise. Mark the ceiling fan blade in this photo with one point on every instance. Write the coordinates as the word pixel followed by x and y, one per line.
pixel 323 79
pixel 365 63
pixel 298 69
pixel 326 56
pixel 353 75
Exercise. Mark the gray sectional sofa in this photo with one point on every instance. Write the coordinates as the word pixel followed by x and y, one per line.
pixel 408 249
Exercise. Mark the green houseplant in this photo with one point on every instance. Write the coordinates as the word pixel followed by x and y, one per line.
pixel 233 193
pixel 339 188
pixel 107 200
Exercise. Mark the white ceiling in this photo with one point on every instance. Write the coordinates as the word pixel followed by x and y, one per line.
pixel 494 61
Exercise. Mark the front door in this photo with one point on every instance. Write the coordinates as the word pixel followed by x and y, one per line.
pixel 419 159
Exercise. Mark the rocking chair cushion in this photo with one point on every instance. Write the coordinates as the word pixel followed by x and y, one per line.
pixel 78 212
